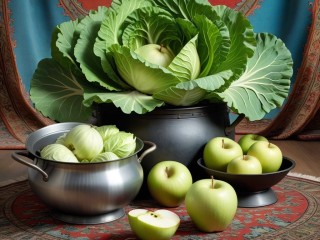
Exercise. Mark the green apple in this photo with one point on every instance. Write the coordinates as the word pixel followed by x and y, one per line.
pixel 211 204
pixel 247 140
pixel 269 155
pixel 219 151
pixel 156 54
pixel 245 164
pixel 168 182
pixel 158 225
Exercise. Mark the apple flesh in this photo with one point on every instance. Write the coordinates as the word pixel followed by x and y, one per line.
pixel 156 54
pixel 269 155
pixel 168 182
pixel 245 164
pixel 247 140
pixel 158 225
pixel 211 204
pixel 219 151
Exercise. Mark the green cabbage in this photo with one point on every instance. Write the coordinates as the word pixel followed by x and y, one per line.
pixel 217 57
pixel 84 141
pixel 105 156
pixel 58 152
pixel 61 139
pixel 107 131
pixel 123 144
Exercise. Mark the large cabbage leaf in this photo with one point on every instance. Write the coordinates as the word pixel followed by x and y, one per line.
pixel 186 64
pixel 83 50
pixel 192 92
pixel 266 81
pixel 58 92
pixel 181 97
pixel 213 44
pixel 130 101
pixel 243 42
pixel 63 40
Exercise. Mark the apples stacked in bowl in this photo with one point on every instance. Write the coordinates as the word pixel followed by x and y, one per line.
pixel 252 154
pixel 251 165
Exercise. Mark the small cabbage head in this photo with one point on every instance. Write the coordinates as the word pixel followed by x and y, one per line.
pixel 61 139
pixel 107 130
pixel 58 152
pixel 123 144
pixel 84 141
pixel 105 156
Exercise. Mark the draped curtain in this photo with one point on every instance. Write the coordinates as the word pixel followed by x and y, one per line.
pixel 299 117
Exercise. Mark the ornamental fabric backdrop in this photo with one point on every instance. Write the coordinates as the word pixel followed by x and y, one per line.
pixel 25 32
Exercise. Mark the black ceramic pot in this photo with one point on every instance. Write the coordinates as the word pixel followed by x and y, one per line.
pixel 180 133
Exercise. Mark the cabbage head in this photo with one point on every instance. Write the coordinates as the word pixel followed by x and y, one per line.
pixel 107 131
pixel 144 54
pixel 104 157
pixel 122 144
pixel 58 152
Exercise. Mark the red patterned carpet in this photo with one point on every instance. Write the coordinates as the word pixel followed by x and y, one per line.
pixel 296 215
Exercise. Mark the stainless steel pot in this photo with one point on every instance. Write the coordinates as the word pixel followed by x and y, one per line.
pixel 85 193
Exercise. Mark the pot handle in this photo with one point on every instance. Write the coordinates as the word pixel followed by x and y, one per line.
pixel 17 157
pixel 230 128
pixel 152 147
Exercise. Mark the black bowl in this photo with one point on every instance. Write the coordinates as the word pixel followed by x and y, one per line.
pixel 253 190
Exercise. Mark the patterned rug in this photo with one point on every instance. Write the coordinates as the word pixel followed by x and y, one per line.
pixel 296 215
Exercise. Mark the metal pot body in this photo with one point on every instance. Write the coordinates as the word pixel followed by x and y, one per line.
pixel 81 188
pixel 87 189
pixel 180 133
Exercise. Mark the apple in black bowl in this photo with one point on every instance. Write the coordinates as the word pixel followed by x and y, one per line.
pixel 254 189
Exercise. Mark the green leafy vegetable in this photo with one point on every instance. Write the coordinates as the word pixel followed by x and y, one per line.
pixel 265 82
pixel 104 157
pixel 123 144
pixel 107 131
pixel 58 152
pixel 86 143
pixel 144 54
pixel 58 92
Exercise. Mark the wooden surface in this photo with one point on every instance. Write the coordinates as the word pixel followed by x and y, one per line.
pixel 306 154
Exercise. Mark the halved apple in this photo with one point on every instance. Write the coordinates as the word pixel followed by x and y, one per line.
pixel 158 225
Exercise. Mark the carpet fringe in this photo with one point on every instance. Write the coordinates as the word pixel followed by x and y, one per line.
pixel 305 176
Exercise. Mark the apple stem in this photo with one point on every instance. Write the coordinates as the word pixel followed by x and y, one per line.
pixel 222 143
pixel 161 46
pixel 269 145
pixel 212 182
pixel 167 171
